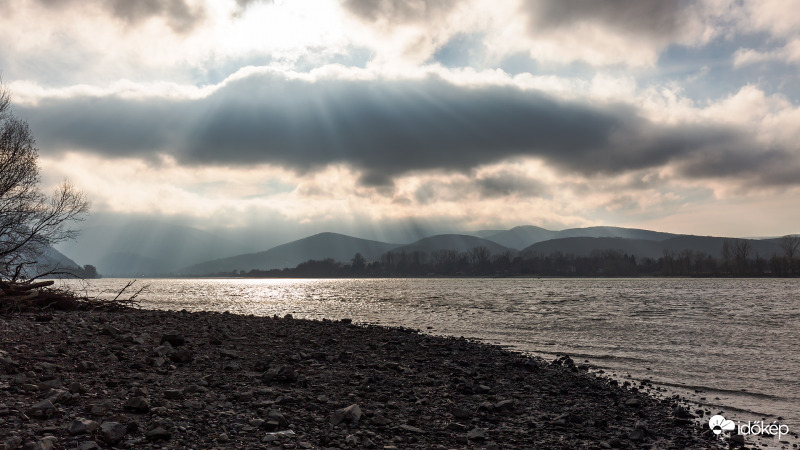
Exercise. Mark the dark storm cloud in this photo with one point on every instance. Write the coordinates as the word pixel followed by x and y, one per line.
pixel 398 11
pixel 178 13
pixel 508 183
pixel 386 128
pixel 645 18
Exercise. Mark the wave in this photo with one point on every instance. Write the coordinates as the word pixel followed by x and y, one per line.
pixel 707 389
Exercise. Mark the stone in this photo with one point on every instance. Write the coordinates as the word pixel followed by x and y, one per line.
pixel 633 402
pixel 681 413
pixel 232 366
pixel 284 373
pixel 276 415
pixel 82 426
pixel 379 420
pixel 112 432
pixel 45 444
pixel 411 428
pixel 233 354
pixel 350 414
pixel 504 405
pixel 88 445
pixel 737 439
pixel 158 434
pixel 256 422
pixel 476 434
pixel 637 435
pixel 175 339
pixel 77 388
pixel 43 409
pixel 173 394
pixel 455 426
pixel 59 396
pixel 138 405
pixel 244 396
pixel 274 436
pixel 101 408
pixel 110 330
pixel 182 356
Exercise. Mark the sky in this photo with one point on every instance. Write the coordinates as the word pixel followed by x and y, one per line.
pixel 371 117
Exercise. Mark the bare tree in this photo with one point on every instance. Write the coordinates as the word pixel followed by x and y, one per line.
pixel 742 252
pixel 30 221
pixel 791 246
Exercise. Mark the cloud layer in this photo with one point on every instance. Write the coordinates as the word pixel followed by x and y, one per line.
pixel 473 112
pixel 386 128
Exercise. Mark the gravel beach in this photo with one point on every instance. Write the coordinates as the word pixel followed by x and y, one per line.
pixel 158 379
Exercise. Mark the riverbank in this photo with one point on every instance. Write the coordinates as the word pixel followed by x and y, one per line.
pixel 159 379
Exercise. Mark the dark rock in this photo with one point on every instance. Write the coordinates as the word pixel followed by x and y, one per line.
pixel 76 388
pixel 379 420
pixel 681 413
pixel 88 445
pixel 175 339
pixel 504 405
pixel 138 405
pixel 282 373
pixel 455 426
pixel 112 432
pixel 182 356
pixel 277 416
pixel 476 434
pixel 460 413
pixel 173 394
pixel 232 366
pixel 42 409
pixel 633 402
pixel 411 429
pixel 637 435
pixel 351 414
pixel 45 444
pixel 158 434
pixel 82 426
pixel 110 330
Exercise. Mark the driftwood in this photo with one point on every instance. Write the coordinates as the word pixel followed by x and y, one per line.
pixel 13 288
pixel 25 295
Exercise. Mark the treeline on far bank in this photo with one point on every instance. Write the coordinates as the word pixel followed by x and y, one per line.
pixel 736 259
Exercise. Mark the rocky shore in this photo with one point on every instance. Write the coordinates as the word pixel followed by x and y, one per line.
pixel 156 379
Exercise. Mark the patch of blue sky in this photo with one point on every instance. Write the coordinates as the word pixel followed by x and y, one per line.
pixel 708 73
pixel 462 50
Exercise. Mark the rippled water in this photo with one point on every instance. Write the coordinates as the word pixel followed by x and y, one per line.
pixel 735 341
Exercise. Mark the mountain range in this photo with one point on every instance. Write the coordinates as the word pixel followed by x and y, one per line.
pixel 168 250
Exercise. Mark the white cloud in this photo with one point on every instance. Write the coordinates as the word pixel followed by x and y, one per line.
pixel 789 53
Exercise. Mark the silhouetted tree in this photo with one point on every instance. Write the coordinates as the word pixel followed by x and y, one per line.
pixel 791 246
pixel 358 265
pixel 30 221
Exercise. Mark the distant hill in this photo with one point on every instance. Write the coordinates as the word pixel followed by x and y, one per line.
pixel 53 260
pixel 584 246
pixel 521 237
pixel 320 246
pixel 484 233
pixel 524 236
pixel 146 248
pixel 457 242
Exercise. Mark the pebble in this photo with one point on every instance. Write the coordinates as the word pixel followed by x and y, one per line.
pixel 302 384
